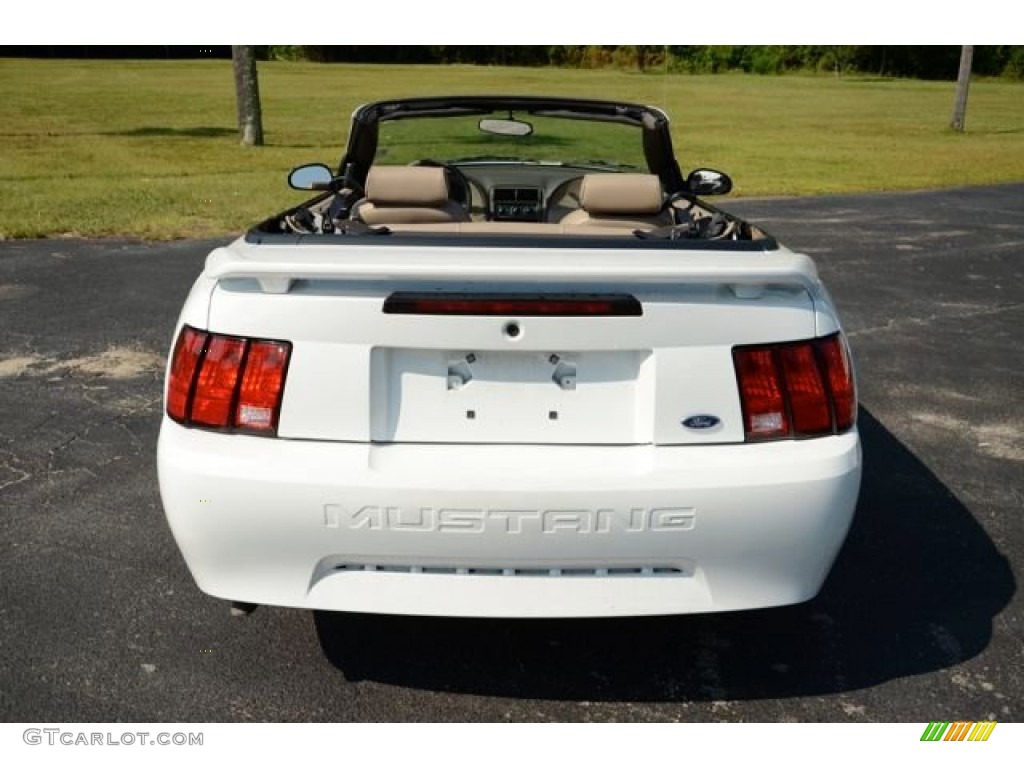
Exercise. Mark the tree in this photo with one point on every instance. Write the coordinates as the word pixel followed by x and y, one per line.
pixel 962 83
pixel 247 94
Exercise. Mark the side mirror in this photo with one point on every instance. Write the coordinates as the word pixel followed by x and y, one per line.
pixel 310 177
pixel 705 181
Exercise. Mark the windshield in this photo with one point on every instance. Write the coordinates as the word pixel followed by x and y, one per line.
pixel 552 140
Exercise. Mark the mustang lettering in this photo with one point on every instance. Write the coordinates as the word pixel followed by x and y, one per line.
pixel 428 519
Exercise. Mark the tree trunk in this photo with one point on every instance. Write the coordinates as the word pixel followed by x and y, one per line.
pixel 962 83
pixel 247 93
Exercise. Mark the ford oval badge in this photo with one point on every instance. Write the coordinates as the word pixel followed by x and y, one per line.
pixel 701 421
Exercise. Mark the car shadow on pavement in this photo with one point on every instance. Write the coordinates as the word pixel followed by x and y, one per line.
pixel 914 590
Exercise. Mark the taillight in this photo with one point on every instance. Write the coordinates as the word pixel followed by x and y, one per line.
pixel 764 405
pixel 215 387
pixel 808 401
pixel 839 374
pixel 796 389
pixel 227 382
pixel 184 363
pixel 260 393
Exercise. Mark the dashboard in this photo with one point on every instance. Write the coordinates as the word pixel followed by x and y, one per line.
pixel 516 192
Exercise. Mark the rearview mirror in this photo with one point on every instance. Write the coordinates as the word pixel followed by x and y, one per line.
pixel 505 127
pixel 310 177
pixel 705 181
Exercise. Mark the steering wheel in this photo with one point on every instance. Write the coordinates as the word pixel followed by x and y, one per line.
pixel 460 186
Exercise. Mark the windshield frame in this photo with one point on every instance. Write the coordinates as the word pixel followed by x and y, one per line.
pixel 653 123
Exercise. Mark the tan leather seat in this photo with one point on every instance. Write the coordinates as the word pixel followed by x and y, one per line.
pixel 400 194
pixel 620 200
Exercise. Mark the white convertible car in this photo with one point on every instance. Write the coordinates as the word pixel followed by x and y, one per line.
pixel 506 361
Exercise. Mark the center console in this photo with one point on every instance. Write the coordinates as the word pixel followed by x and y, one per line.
pixel 516 204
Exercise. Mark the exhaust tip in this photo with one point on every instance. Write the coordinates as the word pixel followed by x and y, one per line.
pixel 242 609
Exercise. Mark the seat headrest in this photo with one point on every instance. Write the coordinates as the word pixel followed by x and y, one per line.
pixel 407 185
pixel 621 194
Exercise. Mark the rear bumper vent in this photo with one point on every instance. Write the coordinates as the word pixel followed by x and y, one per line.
pixel 638 571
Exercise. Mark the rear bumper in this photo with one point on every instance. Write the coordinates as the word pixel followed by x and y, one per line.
pixel 516 531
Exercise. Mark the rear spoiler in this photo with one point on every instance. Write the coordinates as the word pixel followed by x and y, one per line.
pixel 278 267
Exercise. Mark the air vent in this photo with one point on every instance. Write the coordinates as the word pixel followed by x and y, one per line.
pixel 516 204
pixel 635 571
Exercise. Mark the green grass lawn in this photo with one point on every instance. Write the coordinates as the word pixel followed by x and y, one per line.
pixel 149 148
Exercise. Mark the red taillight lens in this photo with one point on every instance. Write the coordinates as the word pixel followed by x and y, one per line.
pixel 839 373
pixel 215 388
pixel 764 407
pixel 226 381
pixel 808 400
pixel 798 389
pixel 260 393
pixel 187 352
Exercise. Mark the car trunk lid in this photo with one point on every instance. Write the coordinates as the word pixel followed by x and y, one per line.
pixel 496 350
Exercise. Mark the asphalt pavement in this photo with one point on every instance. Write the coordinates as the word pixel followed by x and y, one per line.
pixel 920 619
